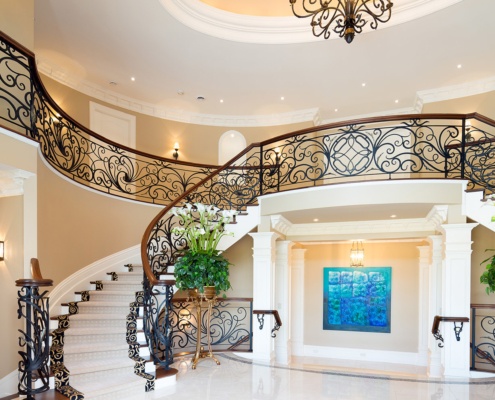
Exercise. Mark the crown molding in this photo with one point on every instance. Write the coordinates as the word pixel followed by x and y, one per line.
pixel 128 103
pixel 277 30
pixel 455 91
pixel 281 224
pixel 311 115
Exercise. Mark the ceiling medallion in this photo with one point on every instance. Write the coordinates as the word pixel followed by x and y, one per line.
pixel 344 17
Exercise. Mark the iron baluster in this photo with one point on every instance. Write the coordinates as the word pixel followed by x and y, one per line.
pixel 34 340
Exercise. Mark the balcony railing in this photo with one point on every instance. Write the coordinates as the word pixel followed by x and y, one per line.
pixel 75 151
pixel 483 337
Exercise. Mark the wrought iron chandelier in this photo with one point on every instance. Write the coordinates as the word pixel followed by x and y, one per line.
pixel 344 17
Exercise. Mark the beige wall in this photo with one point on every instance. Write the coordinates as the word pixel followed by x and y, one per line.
pixel 483 239
pixel 241 272
pixel 157 136
pixel 17 20
pixel 11 269
pixel 404 260
pixel 77 227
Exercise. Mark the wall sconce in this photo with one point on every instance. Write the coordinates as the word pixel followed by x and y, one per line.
pixel 2 250
pixel 277 155
pixel 357 254
pixel 175 154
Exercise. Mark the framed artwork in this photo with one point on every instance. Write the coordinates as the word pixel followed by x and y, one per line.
pixel 357 299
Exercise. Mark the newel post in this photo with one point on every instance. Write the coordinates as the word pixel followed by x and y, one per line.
pixel 34 371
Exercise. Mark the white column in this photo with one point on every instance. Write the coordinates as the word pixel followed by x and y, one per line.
pixel 297 302
pixel 282 300
pixel 423 323
pixel 263 292
pixel 435 368
pixel 30 208
pixel 456 296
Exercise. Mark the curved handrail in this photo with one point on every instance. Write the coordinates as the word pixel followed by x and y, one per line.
pixel 77 152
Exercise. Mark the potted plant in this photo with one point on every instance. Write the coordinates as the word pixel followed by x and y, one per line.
pixel 202 265
pixel 488 277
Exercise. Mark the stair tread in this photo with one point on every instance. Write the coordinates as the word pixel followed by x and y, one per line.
pixel 100 303
pixel 102 316
pixel 87 366
pixel 95 347
pixel 94 331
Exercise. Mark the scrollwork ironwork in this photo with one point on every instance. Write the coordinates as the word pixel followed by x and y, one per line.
pixel 34 365
pixel 230 324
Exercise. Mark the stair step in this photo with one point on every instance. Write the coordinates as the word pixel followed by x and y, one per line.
pixel 86 366
pixel 94 385
pixel 125 286
pixel 129 276
pixel 112 295
pixel 94 357
pixel 104 307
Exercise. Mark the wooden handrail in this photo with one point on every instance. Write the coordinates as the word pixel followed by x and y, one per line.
pixel 37 278
pixel 438 319
pixel 492 306
pixel 270 312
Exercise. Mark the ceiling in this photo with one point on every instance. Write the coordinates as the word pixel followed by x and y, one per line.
pixel 104 44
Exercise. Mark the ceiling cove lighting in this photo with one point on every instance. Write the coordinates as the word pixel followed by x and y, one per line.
pixel 344 17
pixel 357 254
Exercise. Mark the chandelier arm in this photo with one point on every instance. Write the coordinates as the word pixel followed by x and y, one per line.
pixel 379 12
pixel 344 17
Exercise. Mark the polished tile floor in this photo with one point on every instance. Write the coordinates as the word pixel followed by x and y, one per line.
pixel 238 378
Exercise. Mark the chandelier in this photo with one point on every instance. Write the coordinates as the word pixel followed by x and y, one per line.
pixel 357 254
pixel 344 17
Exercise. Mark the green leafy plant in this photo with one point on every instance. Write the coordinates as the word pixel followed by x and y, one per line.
pixel 198 269
pixel 202 227
pixel 488 277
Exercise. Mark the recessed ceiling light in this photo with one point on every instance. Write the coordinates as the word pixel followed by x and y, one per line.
pixel 221 100
pixel 282 98
pixel 336 110
pixel 133 79
pixel 363 84
pixel 459 66
pixel 393 216
pixel 201 98
pixel 396 101
pixel 315 220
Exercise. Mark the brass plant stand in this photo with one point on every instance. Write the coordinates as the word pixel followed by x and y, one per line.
pixel 200 351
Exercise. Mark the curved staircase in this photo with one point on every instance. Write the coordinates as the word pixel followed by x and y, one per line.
pixel 98 349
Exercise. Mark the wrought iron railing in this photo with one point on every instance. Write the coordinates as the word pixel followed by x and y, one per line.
pixel 75 151
pixel 483 337
pixel 231 325
pixel 34 369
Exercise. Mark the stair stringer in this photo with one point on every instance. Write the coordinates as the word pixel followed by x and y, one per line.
pixel 245 223
pixel 78 281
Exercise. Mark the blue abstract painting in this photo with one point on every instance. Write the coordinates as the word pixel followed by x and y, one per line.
pixel 357 299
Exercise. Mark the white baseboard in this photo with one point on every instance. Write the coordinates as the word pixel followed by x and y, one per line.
pixel 8 384
pixel 64 291
pixel 392 357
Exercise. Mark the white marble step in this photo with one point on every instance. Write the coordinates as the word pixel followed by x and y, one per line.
pixel 101 382
pixel 128 385
pixel 88 365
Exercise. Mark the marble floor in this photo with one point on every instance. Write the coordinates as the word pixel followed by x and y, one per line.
pixel 238 378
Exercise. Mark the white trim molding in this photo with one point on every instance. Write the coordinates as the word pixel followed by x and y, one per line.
pixel 281 29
